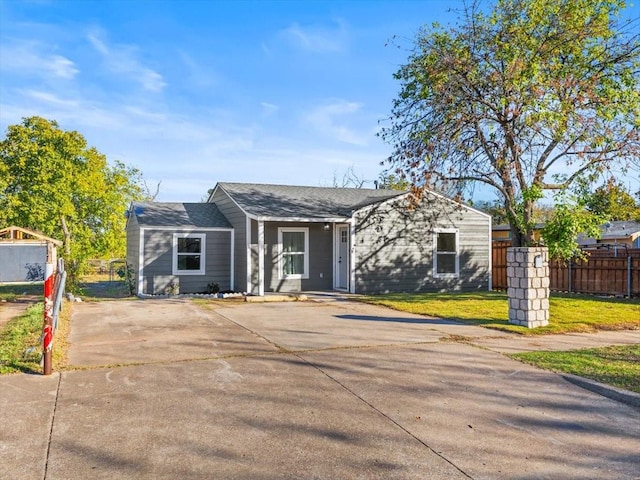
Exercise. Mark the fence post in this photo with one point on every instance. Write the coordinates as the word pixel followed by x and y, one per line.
pixel 629 275
pixel 569 273
pixel 47 337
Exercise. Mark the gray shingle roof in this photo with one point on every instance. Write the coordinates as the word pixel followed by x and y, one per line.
pixel 619 229
pixel 288 201
pixel 179 215
pixel 611 232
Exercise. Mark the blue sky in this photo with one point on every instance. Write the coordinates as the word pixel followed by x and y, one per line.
pixel 194 92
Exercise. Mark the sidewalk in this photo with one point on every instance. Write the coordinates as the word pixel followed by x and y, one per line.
pixel 513 343
pixel 506 342
pixel 509 343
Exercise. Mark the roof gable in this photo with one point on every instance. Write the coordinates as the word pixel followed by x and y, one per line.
pixel 288 201
pixel 178 215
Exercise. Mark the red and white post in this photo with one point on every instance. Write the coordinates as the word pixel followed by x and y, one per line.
pixel 47 332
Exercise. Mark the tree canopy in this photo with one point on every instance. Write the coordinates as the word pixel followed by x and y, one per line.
pixel 52 182
pixel 613 202
pixel 533 95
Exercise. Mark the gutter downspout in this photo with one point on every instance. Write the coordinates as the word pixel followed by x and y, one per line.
pixel 352 255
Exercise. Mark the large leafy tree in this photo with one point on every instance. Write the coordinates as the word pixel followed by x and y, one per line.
pixel 613 202
pixel 51 181
pixel 531 96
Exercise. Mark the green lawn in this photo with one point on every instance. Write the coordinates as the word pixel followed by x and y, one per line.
pixel 20 348
pixel 10 292
pixel 568 313
pixel 617 365
pixel 99 287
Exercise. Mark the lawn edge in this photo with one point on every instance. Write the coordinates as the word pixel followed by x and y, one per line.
pixel 614 393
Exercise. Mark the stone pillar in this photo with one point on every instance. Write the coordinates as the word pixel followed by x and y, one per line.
pixel 528 286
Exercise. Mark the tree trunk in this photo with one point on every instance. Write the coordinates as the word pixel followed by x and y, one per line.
pixel 70 264
pixel 517 238
pixel 67 237
pixel 523 238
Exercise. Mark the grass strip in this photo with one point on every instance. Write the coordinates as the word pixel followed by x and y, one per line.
pixel 20 345
pixel 618 365
pixel 10 292
pixel 20 348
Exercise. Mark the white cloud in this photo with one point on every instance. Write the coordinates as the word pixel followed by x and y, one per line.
pixel 62 67
pixel 317 39
pixel 49 98
pixel 34 58
pixel 329 120
pixel 151 80
pixel 269 109
pixel 98 44
pixel 198 73
pixel 190 153
pixel 122 60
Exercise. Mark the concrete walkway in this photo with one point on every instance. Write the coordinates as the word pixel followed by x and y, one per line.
pixel 337 389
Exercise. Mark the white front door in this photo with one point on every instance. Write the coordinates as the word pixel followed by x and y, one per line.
pixel 343 257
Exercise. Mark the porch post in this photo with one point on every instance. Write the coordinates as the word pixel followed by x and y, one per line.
pixel 261 258
pixel 140 279
pixel 352 255
pixel 248 253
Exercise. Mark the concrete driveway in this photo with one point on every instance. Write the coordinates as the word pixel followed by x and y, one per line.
pixel 173 389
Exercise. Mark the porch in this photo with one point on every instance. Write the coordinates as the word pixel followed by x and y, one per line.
pixel 300 256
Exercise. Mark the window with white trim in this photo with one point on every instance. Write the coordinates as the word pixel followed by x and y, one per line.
pixel 293 261
pixel 445 255
pixel 189 253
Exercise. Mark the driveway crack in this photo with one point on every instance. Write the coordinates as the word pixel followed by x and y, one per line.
pixel 53 419
pixel 384 415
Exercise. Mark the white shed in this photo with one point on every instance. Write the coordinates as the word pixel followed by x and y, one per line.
pixel 23 254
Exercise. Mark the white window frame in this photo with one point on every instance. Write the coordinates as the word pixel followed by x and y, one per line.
pixel 436 253
pixel 305 274
pixel 203 258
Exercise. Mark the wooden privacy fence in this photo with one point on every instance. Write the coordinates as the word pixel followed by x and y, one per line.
pixel 604 272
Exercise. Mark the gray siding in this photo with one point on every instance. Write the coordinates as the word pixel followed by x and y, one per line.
pixel 158 262
pixel 238 220
pixel 133 247
pixel 320 259
pixel 394 246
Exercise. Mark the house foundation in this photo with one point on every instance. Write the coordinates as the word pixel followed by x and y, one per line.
pixel 528 286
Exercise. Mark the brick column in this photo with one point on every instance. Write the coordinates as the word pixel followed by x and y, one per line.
pixel 528 286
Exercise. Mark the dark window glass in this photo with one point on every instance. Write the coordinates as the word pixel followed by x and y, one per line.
pixel 189 245
pixel 446 242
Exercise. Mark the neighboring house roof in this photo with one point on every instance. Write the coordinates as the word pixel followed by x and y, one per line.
pixel 288 201
pixel 612 231
pixel 620 229
pixel 179 215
